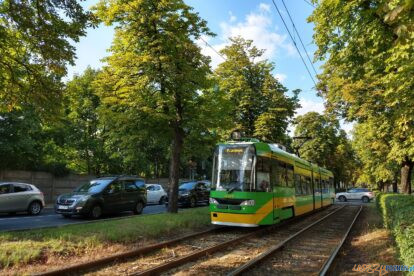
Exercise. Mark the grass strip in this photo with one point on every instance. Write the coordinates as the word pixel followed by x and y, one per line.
pixel 23 247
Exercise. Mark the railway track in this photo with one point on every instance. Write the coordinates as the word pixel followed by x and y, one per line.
pixel 309 251
pixel 206 252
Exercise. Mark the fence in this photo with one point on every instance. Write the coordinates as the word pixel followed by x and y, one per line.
pixel 53 186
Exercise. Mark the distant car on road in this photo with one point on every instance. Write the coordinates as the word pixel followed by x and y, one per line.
pixel 103 196
pixel 156 194
pixel 356 194
pixel 193 193
pixel 20 197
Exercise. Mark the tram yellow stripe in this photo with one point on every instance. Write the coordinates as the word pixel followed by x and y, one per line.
pixel 245 218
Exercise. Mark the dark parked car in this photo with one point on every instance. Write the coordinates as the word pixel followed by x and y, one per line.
pixel 103 196
pixel 193 192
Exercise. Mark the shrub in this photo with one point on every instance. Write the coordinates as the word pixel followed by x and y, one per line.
pixel 398 215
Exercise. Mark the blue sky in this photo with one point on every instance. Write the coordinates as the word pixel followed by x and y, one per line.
pixel 256 20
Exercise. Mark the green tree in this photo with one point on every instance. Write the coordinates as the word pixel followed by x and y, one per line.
pixel 85 133
pixel 328 145
pixel 156 66
pixel 258 102
pixel 35 47
pixel 369 47
pixel 371 143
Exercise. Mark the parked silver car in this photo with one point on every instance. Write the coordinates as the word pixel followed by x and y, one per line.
pixel 356 194
pixel 156 194
pixel 20 197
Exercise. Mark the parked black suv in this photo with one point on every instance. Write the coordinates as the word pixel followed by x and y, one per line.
pixel 193 192
pixel 103 196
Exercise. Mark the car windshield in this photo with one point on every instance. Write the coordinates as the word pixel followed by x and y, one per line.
pixel 233 168
pixel 94 186
pixel 187 186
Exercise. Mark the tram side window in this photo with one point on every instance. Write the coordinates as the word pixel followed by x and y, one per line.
pixel 317 186
pixel 331 183
pixel 263 174
pixel 274 172
pixel 289 175
pixel 308 185
pixel 281 174
pixel 298 186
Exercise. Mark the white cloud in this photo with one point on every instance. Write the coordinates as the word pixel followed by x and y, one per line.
pixel 232 18
pixel 256 26
pixel 310 105
pixel 264 7
pixel 280 77
pixel 317 106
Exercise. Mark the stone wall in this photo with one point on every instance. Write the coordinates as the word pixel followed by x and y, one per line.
pixel 53 186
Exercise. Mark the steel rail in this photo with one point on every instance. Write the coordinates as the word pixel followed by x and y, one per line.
pixel 147 249
pixel 212 249
pixel 133 253
pixel 196 255
pixel 278 246
pixel 329 261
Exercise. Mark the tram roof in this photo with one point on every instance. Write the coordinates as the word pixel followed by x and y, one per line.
pixel 263 148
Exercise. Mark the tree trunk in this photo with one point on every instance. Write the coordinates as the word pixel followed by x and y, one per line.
pixel 394 186
pixel 174 176
pixel 406 170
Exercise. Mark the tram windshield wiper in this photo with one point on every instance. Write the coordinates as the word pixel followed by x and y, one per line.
pixel 231 190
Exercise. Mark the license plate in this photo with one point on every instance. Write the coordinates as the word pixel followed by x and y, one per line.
pixel 61 207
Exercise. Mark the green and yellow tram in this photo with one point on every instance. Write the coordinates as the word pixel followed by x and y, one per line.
pixel 256 183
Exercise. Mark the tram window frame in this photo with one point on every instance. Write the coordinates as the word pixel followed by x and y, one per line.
pixel 281 174
pixel 331 183
pixel 290 172
pixel 323 185
pixel 317 185
pixel 309 185
pixel 263 165
pixel 298 185
pixel 303 185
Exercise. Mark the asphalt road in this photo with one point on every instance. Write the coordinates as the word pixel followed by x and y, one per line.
pixel 48 217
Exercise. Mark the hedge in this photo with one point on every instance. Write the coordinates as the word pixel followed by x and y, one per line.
pixel 398 216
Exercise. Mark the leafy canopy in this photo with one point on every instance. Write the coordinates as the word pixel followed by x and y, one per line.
pixel 258 102
pixel 35 49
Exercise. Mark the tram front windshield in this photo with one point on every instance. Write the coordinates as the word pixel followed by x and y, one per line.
pixel 233 168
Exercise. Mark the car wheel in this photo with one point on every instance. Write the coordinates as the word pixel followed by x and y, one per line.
pixel 67 216
pixel 162 200
pixel 96 212
pixel 193 202
pixel 138 208
pixel 342 198
pixel 35 208
pixel 365 199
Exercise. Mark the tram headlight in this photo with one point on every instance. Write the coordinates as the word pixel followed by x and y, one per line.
pixel 213 201
pixel 249 202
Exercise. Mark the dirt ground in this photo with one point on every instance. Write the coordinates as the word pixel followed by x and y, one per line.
pixel 368 244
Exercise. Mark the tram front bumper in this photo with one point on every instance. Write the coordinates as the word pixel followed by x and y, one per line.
pixel 232 219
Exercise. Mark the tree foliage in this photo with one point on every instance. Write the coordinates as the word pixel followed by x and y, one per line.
pixel 258 102
pixel 328 145
pixel 35 49
pixel 369 47
pixel 371 143
pixel 156 67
